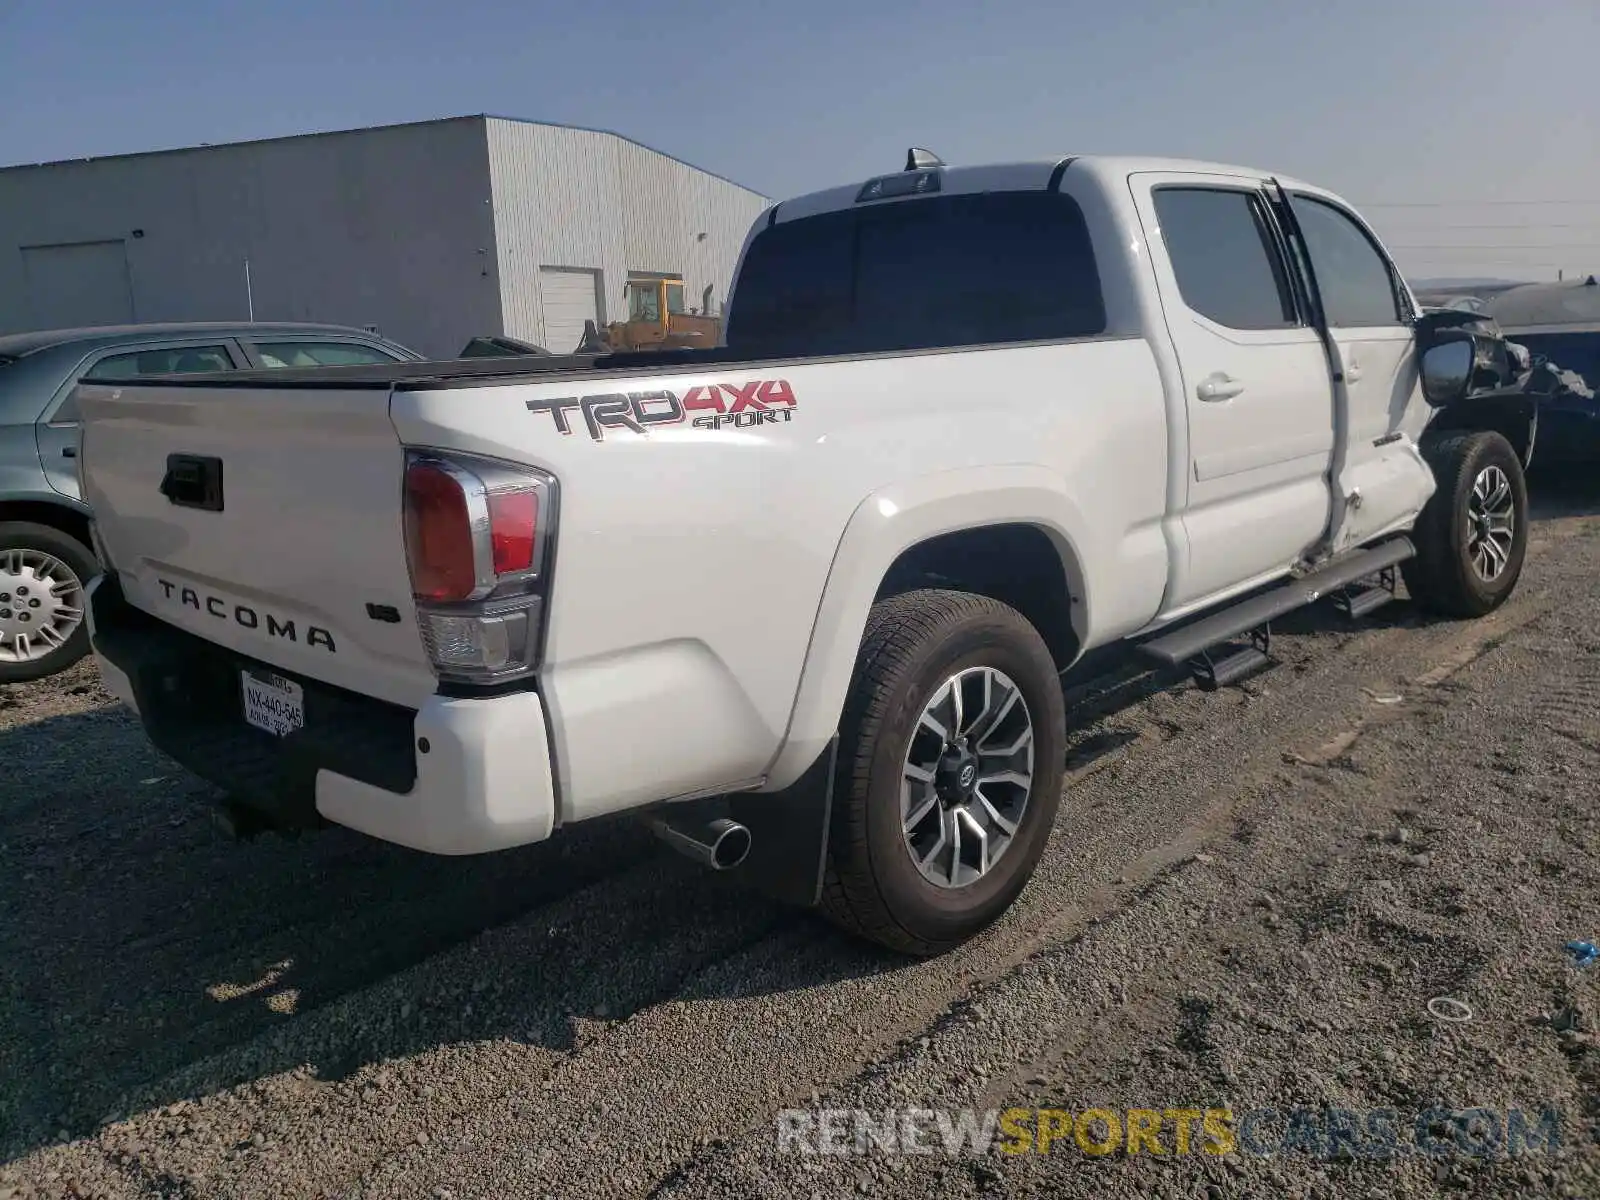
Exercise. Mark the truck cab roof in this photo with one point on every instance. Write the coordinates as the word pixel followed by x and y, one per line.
pixel 1026 175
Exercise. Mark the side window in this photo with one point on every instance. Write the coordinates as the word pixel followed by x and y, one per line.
pixel 1223 254
pixel 176 360
pixel 320 354
pixel 644 303
pixel 1358 288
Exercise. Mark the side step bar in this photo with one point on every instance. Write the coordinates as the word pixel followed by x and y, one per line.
pixel 1239 662
pixel 1357 603
pixel 1195 642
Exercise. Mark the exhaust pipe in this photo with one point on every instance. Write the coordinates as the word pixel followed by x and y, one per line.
pixel 237 822
pixel 720 844
pixel 240 822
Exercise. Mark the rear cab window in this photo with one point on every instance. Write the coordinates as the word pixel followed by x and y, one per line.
pixel 930 273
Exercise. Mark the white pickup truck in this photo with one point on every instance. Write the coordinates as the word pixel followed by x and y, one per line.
pixel 802 601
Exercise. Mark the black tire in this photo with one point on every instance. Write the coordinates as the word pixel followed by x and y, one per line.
pixel 1442 578
pixel 913 643
pixel 25 535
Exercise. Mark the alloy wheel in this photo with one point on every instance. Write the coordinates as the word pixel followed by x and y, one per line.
pixel 966 777
pixel 1491 523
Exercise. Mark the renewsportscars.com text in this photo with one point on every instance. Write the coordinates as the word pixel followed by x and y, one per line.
pixel 1325 1133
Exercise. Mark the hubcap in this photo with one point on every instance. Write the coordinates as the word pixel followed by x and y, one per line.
pixel 967 775
pixel 41 604
pixel 1491 523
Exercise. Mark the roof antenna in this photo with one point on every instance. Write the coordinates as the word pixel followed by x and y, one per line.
pixel 918 159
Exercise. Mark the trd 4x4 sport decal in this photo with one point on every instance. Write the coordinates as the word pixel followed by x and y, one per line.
pixel 706 406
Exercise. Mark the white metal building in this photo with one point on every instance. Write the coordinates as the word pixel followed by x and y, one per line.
pixel 433 232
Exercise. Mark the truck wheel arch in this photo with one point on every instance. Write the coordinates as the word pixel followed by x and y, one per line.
pixel 910 534
pixel 1017 563
pixel 1513 417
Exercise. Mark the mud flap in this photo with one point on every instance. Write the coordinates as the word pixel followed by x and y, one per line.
pixel 788 834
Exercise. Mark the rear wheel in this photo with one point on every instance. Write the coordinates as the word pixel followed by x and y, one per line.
pixel 950 765
pixel 1472 535
pixel 43 573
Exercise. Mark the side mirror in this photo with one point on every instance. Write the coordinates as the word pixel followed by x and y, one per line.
pixel 1447 369
pixel 1491 366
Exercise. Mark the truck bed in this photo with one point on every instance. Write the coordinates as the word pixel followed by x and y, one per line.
pixel 667 542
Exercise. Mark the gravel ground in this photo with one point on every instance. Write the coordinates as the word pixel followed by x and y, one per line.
pixel 1248 902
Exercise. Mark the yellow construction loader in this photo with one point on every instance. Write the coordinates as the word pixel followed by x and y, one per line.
pixel 657 320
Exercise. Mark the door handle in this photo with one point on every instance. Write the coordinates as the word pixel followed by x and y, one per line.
pixel 1218 386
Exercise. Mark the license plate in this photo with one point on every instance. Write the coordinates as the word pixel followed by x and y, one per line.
pixel 273 703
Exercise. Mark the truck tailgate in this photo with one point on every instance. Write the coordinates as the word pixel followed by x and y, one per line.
pixel 266 520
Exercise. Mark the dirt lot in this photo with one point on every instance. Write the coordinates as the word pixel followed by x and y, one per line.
pixel 1249 901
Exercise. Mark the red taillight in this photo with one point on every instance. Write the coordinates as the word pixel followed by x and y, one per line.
pixel 476 549
pixel 513 524
pixel 438 535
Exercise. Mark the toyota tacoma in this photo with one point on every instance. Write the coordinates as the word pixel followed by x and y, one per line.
pixel 802 600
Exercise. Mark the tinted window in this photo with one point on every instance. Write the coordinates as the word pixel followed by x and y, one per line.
pixel 1356 284
pixel 1224 257
pixel 919 274
pixel 319 354
pixel 178 360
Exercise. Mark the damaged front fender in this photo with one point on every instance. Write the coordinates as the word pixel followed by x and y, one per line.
pixel 1504 390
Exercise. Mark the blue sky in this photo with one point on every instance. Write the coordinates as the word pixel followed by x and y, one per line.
pixel 1461 102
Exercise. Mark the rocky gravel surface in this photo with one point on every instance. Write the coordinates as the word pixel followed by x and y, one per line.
pixel 1248 903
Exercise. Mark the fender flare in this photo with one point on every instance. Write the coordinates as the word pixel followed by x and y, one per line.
pixel 888 522
pixel 39 498
pixel 1512 414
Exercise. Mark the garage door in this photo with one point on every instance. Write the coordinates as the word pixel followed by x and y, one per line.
pixel 79 283
pixel 567 298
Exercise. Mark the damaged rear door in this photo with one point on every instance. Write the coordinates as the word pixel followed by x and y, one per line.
pixel 1255 381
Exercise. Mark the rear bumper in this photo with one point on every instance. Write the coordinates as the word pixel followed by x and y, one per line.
pixel 457 776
